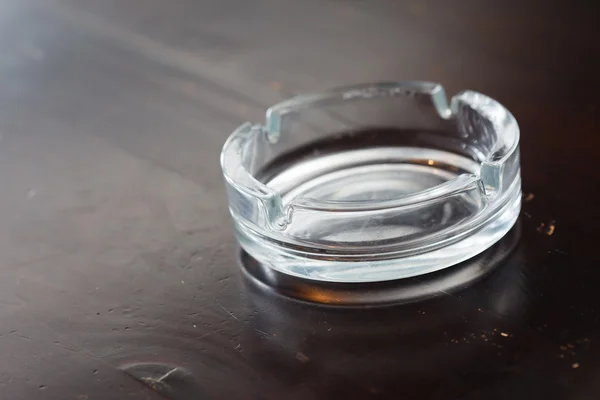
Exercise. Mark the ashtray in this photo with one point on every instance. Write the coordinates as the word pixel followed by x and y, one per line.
pixel 373 182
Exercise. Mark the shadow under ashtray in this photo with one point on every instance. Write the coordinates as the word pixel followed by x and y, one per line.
pixel 407 290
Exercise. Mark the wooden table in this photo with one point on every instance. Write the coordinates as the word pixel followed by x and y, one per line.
pixel 119 273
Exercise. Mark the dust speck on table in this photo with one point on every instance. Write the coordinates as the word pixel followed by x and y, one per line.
pixel 528 197
pixel 547 229
pixel 302 357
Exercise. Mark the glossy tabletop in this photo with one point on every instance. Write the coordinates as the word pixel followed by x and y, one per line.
pixel 119 272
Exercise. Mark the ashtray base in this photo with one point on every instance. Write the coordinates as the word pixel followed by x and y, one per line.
pixel 371 174
pixel 380 270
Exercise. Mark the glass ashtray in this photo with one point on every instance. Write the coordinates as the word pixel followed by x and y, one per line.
pixel 374 182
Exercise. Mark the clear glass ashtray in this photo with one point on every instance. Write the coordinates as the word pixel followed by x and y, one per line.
pixel 374 182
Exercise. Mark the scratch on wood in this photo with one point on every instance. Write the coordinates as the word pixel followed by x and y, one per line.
pixel 265 334
pixel 15 333
pixel 229 312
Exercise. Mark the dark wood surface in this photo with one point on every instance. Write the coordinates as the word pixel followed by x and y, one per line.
pixel 119 273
